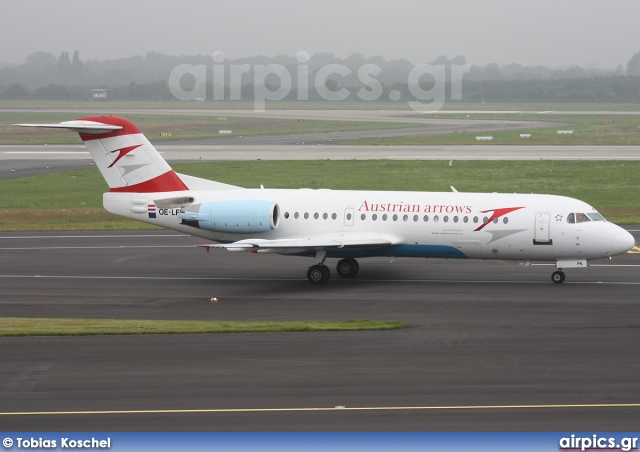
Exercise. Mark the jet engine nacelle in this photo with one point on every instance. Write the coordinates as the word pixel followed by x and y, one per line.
pixel 242 217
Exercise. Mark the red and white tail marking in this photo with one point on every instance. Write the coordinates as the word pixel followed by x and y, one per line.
pixel 124 156
pixel 127 160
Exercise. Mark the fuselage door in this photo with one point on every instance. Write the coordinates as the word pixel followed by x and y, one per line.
pixel 348 216
pixel 541 234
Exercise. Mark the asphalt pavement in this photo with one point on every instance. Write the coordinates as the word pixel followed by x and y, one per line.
pixel 489 345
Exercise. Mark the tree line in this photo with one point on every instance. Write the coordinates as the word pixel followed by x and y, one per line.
pixel 67 77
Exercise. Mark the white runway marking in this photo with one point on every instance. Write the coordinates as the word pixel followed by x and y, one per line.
pixel 91 236
pixel 339 281
pixel 335 408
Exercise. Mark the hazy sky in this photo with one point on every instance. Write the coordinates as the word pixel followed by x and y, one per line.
pixel 553 33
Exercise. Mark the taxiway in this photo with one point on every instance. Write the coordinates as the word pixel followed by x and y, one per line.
pixel 489 346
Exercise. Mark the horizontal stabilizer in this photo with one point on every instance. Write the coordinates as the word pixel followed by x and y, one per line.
pixel 79 126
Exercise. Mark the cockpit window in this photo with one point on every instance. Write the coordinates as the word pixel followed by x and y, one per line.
pixel 583 217
pixel 595 216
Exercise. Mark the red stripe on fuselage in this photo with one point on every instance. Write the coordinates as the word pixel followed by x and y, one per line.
pixel 497 213
pixel 168 181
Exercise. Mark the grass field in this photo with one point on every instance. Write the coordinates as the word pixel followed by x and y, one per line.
pixel 314 105
pixel 12 326
pixel 598 129
pixel 588 130
pixel 181 127
pixel 73 200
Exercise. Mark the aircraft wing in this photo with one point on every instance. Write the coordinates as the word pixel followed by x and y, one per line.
pixel 296 245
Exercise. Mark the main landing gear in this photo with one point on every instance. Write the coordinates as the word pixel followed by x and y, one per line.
pixel 558 277
pixel 320 274
pixel 348 268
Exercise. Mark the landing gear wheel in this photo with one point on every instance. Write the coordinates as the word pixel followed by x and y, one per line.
pixel 348 268
pixel 557 277
pixel 318 274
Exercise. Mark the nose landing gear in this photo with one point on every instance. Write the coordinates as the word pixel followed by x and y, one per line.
pixel 558 277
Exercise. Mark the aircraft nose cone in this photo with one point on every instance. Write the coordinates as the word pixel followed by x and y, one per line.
pixel 623 242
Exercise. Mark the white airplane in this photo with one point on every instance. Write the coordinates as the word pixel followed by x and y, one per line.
pixel 343 224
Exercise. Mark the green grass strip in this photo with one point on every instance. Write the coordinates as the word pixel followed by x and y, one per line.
pixel 181 127
pixel 13 326
pixel 588 130
pixel 73 200
pixel 109 105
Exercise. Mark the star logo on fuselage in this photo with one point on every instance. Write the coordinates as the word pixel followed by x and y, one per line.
pixel 122 153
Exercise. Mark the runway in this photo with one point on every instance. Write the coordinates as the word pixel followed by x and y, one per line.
pixel 27 160
pixel 23 161
pixel 381 115
pixel 12 154
pixel 489 345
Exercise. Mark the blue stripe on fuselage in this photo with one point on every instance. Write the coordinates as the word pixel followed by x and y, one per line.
pixel 426 251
